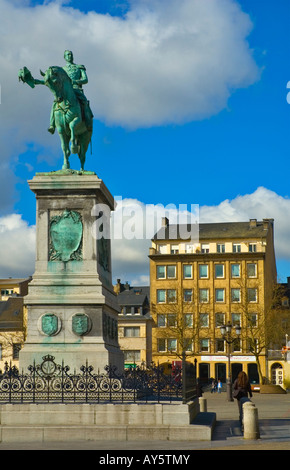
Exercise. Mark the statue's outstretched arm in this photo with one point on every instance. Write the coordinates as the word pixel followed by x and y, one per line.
pixel 38 82
pixel 25 76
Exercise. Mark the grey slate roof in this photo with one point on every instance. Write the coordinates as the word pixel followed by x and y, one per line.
pixel 207 231
pixel 11 314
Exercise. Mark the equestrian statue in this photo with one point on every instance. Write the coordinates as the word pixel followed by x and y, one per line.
pixel 71 114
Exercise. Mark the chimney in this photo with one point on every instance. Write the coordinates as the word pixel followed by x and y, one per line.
pixel 165 222
pixel 117 287
pixel 253 223
pixel 267 223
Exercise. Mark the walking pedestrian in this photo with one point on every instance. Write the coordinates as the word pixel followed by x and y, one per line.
pixel 241 390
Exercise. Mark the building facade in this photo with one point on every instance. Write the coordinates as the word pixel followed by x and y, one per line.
pixel 196 286
pixel 134 323
pixel 12 319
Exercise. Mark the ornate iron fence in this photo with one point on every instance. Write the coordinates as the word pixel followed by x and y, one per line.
pixel 49 382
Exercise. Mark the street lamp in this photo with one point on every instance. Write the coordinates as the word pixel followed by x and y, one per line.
pixel 226 331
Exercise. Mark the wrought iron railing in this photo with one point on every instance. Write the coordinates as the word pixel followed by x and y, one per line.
pixel 49 382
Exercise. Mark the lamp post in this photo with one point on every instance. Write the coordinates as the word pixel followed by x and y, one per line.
pixel 226 331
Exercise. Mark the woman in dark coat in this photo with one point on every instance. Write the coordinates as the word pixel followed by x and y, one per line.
pixel 242 389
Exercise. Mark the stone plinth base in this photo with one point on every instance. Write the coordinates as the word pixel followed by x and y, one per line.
pixel 72 310
pixel 122 422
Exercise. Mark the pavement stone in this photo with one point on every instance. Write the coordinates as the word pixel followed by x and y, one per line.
pixel 274 425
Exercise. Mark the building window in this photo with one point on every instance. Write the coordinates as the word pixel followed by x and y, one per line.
pixel 203 295
pixel 6 292
pixel 171 320
pixel 236 248
pixel 252 295
pixel 167 344
pixel 204 345
pixel 187 271
pixel 164 272
pixel 132 355
pixel 203 271
pixel 205 248
pixel 132 331
pixel 171 272
pixel 236 319
pixel 220 295
pixel 189 248
pixel 161 345
pixel 220 248
pixel 188 345
pixel 220 345
pixel 171 344
pixel 171 296
pixel 235 295
pixel 236 346
pixel 174 249
pixel 162 249
pixel 219 271
pixel 252 247
pixel 235 270
pixel 204 320
pixel 252 269
pixel 252 345
pixel 188 320
pixel 161 320
pixel 161 296
pixel 187 295
pixel 253 320
pixel 16 349
pixel 161 272
pixel 219 319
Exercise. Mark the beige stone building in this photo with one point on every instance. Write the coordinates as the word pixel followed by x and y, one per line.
pixel 12 319
pixel 134 324
pixel 12 287
pixel 198 285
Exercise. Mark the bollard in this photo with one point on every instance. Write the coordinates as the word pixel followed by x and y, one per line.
pixel 250 421
pixel 202 405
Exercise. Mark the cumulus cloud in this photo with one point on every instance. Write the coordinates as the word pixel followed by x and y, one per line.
pixel 153 66
pixel 139 222
pixel 17 247
pixel 130 256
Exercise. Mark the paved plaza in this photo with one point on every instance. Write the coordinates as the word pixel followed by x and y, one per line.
pixel 274 425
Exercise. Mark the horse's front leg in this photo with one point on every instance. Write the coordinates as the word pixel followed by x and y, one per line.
pixel 66 151
pixel 73 139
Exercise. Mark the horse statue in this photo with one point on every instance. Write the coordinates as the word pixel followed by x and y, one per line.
pixel 71 119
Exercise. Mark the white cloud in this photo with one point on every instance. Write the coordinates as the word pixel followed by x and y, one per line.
pixel 17 240
pixel 130 255
pixel 261 204
pixel 156 65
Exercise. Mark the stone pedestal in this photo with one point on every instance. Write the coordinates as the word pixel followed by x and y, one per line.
pixel 72 309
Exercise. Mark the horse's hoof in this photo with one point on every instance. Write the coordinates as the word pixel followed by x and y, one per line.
pixel 65 166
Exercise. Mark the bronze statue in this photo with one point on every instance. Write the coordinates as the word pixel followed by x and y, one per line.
pixel 71 114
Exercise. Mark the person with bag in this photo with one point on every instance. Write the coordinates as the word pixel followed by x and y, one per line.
pixel 241 391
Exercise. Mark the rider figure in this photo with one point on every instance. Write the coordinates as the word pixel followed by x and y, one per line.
pixel 78 76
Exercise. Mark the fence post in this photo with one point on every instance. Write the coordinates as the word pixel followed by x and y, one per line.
pixel 183 378
pixel 250 421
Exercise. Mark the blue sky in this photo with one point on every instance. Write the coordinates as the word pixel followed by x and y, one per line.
pixel 229 155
